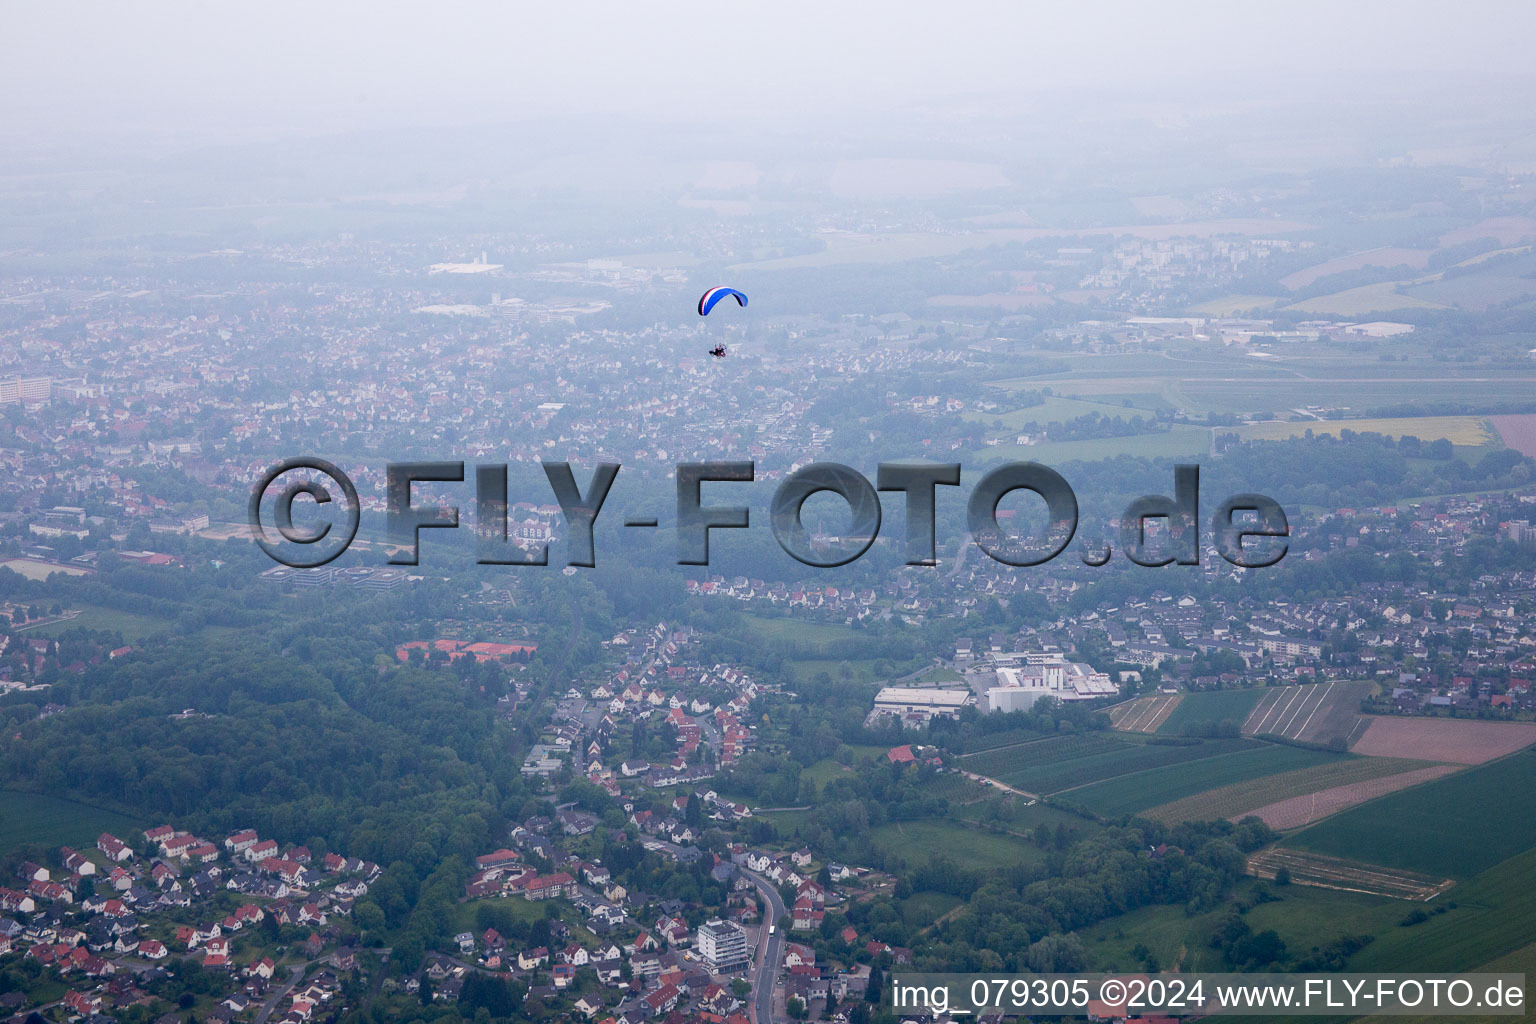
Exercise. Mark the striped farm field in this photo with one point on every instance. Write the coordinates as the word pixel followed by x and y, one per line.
pixel 1208 708
pixel 1466 431
pixel 1112 763
pixel 1313 712
pixel 1007 738
pixel 1242 798
pixel 1144 714
pixel 1005 760
pixel 1162 786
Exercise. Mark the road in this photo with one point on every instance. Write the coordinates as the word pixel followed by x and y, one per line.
pixel 295 974
pixel 770 951
pixel 985 781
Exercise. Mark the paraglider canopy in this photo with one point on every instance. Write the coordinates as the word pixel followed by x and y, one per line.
pixel 708 299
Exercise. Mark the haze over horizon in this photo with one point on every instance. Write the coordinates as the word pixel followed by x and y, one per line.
pixel 192 74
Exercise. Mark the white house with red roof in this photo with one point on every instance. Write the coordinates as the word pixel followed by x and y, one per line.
pixel 260 851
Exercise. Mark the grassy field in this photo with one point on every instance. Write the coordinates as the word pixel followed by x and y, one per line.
pixel 918 842
pixel 31 819
pixel 827 769
pixel 1456 826
pixel 1470 431
pixel 1257 790
pixel 1232 305
pixel 520 909
pixel 800 670
pixel 1370 298
pixel 134 626
pixel 1181 440
pixel 1193 780
pixel 824 771
pixel 923 908
pixel 1209 708
pixel 1056 409
pixel 799 632
pixel 1304 918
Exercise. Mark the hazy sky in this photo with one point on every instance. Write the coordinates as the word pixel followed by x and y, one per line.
pixel 228 69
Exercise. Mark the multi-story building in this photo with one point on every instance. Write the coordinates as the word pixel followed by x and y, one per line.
pixel 723 945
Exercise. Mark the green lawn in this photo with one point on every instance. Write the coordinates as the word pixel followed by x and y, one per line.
pixel 1456 826
pixel 31 819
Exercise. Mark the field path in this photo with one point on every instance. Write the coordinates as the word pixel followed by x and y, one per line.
pixel 985 781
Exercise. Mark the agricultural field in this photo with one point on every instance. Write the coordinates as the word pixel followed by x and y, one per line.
pixel 1521 961
pixel 1517 432
pixel 32 819
pixel 1370 298
pixel 1003 761
pixel 955 788
pixel 1233 305
pixel 1386 256
pixel 1144 714
pixel 1495 916
pixel 1314 713
pixel 1122 760
pixel 1346 875
pixel 1296 780
pixel 1465 431
pixel 1009 738
pixel 1296 811
pixel 1459 740
pixel 1456 826
pixel 1191 781
pixel 1210 708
